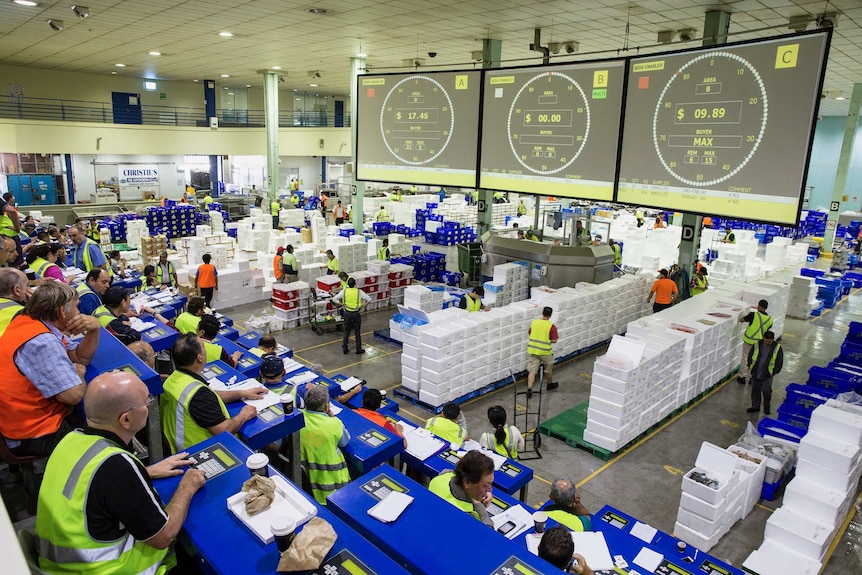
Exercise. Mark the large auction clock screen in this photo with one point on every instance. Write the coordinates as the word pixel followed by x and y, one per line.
pixel 552 130
pixel 418 128
pixel 725 131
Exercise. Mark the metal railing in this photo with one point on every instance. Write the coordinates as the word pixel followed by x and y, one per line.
pixel 61 110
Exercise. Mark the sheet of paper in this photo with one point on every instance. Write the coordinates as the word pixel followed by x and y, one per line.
pixel 644 532
pixel 303 377
pixel 518 515
pixel 471 445
pixel 648 559
pixel 350 383
pixel 408 427
pixel 141 326
pixel 593 546
pixel 391 507
pixel 422 444
pixel 335 409
pixel 267 400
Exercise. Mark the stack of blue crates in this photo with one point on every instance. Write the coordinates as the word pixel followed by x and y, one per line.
pixel 829 290
pixel 382 228
pixel 814 224
pixel 176 221
pixel 346 233
pixel 429 267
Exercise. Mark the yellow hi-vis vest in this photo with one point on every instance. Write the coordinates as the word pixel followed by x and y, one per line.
pixel 540 337
pixel 446 429
pixel 381 253
pixel 179 429
pixel 508 448
pixel 473 304
pixel 7 228
pixel 65 546
pixel 104 315
pixel 40 266
pixel 760 324
pixel 570 520
pixel 618 256
pixel 318 442
pixel 351 299
pixel 332 265
pixel 383 216
pixel 88 258
pixel 187 322
pixel 274 207
pixel 439 486
pixel 756 352
pixel 8 309
pixel 213 350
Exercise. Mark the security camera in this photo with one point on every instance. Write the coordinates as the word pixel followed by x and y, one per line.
pixel 827 21
pixel 686 35
pixel 572 47
pixel 432 54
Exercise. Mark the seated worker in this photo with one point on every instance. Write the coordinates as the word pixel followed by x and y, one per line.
pixel 557 548
pixel 42 259
pixel 468 487
pixel 187 322
pixel 332 266
pixel 150 279
pixel 147 354
pixel 187 400
pixel 343 398
pixel 117 263
pixel 566 507
pixel 472 300
pixel 320 443
pixel 272 372
pixel 42 370
pixel 446 425
pixel 92 289
pixel 266 344
pixel 505 440
pixel 14 293
pixel 114 314
pixel 372 399
pixel 97 509
pixel 207 331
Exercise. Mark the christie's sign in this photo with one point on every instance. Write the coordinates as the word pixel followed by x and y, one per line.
pixel 139 175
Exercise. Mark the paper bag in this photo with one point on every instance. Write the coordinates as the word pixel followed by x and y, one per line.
pixel 310 547
pixel 261 492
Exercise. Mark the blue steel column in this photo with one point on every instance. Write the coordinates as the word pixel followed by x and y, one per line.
pixel 270 106
pixel 357 67
pixel 210 104
pixel 70 179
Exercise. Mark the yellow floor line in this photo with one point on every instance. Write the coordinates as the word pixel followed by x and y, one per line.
pixel 840 534
pixel 764 507
pixel 829 309
pixel 648 437
pixel 337 369
pixel 542 479
pixel 411 414
pixel 334 341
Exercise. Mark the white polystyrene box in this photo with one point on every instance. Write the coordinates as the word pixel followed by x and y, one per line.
pixel 826 477
pixel 407 372
pixel 411 384
pixel 807 536
pixel 829 452
pixel 837 423
pixel 773 558
pixel 706 510
pixel 433 352
pixel 411 362
pixel 753 470
pixel 719 465
pixel 692 537
pixel 811 499
pixel 695 522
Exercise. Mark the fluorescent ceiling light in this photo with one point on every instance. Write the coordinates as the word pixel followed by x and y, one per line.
pixel 118 65
pixel 154 53
pixel 225 75
pixel 29 3
pixel 313 85
pixel 226 34
pixel 276 67
pixel 362 55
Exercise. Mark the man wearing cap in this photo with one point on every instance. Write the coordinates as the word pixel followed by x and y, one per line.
pixel 665 292
pixel 91 290
pixel 272 370
pixel 277 266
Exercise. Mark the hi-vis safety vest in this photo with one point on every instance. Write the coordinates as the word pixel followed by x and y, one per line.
pixel 65 546
pixel 756 352
pixel 276 267
pixel 440 486
pixel 760 324
pixel 213 350
pixel 382 253
pixel 508 448
pixel 318 442
pixel 446 429
pixel 104 315
pixel 351 299
pixel 40 266
pixel 540 337
pixel 87 257
pixel 8 309
pixel 179 428
pixel 563 517
pixel 473 304
pixel 274 207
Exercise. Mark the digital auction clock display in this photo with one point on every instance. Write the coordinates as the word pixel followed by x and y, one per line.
pixel 725 131
pixel 420 128
pixel 552 130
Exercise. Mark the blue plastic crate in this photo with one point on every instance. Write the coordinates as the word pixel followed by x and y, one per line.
pixel 780 429
pixel 833 379
pixel 770 490
pixel 791 417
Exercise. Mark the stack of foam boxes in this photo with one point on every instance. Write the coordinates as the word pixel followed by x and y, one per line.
pixel 803 297
pixel 509 284
pixel 217 221
pixel 352 256
pixel 152 246
pixel 239 284
pixel 818 499
pixel 400 276
pixel 421 297
pixel 311 262
pixel 721 489
pixel 290 303
pixel 500 211
pixel 135 230
pixel 291 218
pixel 376 286
pixel 397 245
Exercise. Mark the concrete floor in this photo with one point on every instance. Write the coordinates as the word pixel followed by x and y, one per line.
pixel 645 481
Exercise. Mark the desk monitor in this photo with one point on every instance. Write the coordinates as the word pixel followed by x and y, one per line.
pixel 155 332
pixel 514 565
pixel 510 469
pixel 725 130
pixel 373 438
pixel 213 460
pixel 343 563
pixel 552 129
pixel 418 127
pixel 211 371
pixel 381 486
pixel 615 520
pixel 128 368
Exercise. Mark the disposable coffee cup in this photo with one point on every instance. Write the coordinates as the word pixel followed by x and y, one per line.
pixel 257 464
pixel 681 546
pixel 287 403
pixel 539 520
pixel 283 530
pixel 383 394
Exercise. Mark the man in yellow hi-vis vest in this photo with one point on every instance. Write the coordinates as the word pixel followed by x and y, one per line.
pixel 543 334
pixel 352 299
pixel 759 323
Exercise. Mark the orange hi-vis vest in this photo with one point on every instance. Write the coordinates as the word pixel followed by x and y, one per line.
pixel 206 276
pixel 276 267
pixel 24 412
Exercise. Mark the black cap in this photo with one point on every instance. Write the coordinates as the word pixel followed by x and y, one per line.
pixel 114 296
pixel 272 366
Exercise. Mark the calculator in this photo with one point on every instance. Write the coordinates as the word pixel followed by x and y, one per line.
pixel 343 563
pixel 213 460
pixel 381 486
pixel 373 438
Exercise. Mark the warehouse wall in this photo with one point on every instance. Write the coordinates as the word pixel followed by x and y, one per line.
pixel 823 166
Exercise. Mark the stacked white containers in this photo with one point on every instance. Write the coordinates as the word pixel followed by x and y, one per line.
pixel 135 230
pixel 422 298
pixel 291 302
pixel 217 221
pixel 400 276
pixel 509 284
pixel 803 297
pixel 817 500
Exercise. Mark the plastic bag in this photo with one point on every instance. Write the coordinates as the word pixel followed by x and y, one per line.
pixel 850 397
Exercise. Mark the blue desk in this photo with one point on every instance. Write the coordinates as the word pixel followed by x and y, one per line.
pixel 132 283
pixel 617 525
pixel 387 407
pixel 370 445
pixel 223 319
pixel 228 332
pixel 226 547
pixel 222 371
pixel 511 478
pixel 249 339
pixel 161 337
pixel 429 537
pixel 111 354
pixel 167 311
pixel 248 363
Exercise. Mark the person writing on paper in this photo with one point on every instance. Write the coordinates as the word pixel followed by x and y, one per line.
pixel 566 507
pixel 449 427
pixel 207 331
pixel 372 399
pixel 468 487
pixel 187 399
pixel 505 439
pixel 320 442
pixel 558 549
pixel 112 520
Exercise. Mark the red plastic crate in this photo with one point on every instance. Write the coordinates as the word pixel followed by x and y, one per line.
pixel 285 305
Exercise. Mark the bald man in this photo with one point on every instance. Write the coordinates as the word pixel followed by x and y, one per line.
pixel 147 354
pixel 14 293
pixel 8 251
pixel 97 503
